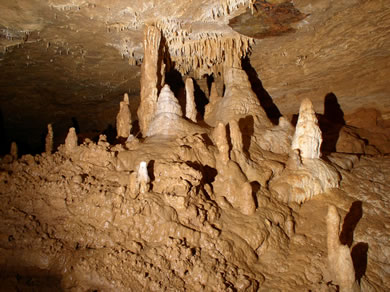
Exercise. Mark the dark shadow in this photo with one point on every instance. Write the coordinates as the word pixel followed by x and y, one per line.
pixel 294 120
pixel 255 189
pixel 151 170
pixel 247 129
pixel 29 279
pixel 135 129
pixel 359 259
pixel 175 81
pixel 110 133
pixel 3 137
pixel 332 109
pixel 350 222
pixel 76 125
pixel 210 79
pixel 228 136
pixel 208 173
pixel 265 99
pixel 331 123
pixel 207 139
pixel 200 100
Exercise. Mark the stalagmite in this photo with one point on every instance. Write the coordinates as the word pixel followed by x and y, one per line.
pixel 213 99
pixel 190 100
pixel 150 82
pixel 306 175
pixel 167 102
pixel 126 98
pixel 307 137
pixel 236 136
pixel 14 151
pixel 339 256
pixel 49 139
pixel 123 119
pixel 214 96
pixel 143 179
pixel 71 140
pixel 220 140
pixel 239 102
pixel 168 119
pixel 230 182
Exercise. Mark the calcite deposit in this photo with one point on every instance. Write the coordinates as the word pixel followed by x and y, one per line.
pixel 49 139
pixel 198 182
pixel 123 119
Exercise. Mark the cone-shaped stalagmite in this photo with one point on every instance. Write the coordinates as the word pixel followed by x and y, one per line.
pixel 71 140
pixel 123 119
pixel 168 114
pixel 149 77
pixel 49 139
pixel 190 100
pixel 307 138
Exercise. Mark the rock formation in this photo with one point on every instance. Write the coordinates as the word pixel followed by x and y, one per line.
pixel 143 179
pixel 123 119
pixel 71 140
pixel 231 183
pixel 169 119
pixel 150 82
pixel 307 137
pixel 239 101
pixel 14 151
pixel 191 112
pixel 339 256
pixel 213 204
pixel 49 139
pixel 213 99
pixel 306 175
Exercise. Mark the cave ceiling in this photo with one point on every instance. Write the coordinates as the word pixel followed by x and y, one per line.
pixel 64 59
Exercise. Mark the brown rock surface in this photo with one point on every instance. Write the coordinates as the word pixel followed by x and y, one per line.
pixel 224 199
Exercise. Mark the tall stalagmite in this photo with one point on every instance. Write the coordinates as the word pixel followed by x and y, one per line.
pixel 71 140
pixel 123 119
pixel 339 256
pixel 231 183
pixel 49 139
pixel 150 82
pixel 307 138
pixel 190 100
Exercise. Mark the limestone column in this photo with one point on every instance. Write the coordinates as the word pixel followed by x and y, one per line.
pixel 150 72
pixel 190 100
